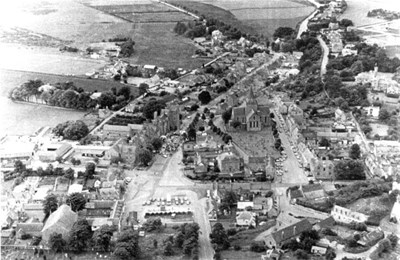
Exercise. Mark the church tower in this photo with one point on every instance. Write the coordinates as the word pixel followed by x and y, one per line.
pixel 251 102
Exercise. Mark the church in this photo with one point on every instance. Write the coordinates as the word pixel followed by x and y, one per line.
pixel 251 116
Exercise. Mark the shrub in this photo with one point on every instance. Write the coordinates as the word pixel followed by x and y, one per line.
pixel 25 236
pixel 237 247
pixel 257 247
pixel 231 231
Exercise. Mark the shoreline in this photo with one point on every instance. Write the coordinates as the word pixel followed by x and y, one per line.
pixel 49 106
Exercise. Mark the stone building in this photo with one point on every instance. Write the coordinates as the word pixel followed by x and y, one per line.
pixel 168 120
pixel 251 116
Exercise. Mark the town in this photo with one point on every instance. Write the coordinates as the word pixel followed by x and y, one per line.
pixel 281 147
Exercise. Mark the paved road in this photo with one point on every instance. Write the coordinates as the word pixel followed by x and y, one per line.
pixel 304 24
pixel 325 53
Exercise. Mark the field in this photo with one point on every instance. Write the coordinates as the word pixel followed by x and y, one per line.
pixel 255 16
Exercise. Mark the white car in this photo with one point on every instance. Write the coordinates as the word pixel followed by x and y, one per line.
pixel 128 179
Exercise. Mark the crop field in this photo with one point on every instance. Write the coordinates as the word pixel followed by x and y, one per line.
pixel 156 17
pixel 261 16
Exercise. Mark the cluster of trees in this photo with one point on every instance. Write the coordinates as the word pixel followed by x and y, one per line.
pixel 303 245
pixel 204 97
pixel 228 201
pixel 385 246
pixel 187 238
pixel 153 224
pixel 152 106
pixel 219 237
pixel 349 170
pixel 127 245
pixel 284 32
pixel 368 56
pixel 126 48
pixel 312 53
pixel 308 85
pixel 20 172
pixel 71 130
pixel 68 95
pixel 358 190
pixel 225 137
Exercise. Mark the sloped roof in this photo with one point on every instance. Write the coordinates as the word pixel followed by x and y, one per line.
pixel 238 111
pixel 60 221
pixel 245 215
pixel 311 187
pixel 291 231
pixel 30 228
pixel 294 194
pixel 325 223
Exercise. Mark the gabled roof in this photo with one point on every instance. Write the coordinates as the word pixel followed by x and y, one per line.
pixel 311 187
pixel 291 231
pixel 238 111
pixel 294 194
pixel 325 223
pixel 245 215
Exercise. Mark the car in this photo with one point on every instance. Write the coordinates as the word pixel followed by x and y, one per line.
pixel 163 203
pixel 188 202
pixel 144 203
pixel 158 203
pixel 128 180
pixel 177 202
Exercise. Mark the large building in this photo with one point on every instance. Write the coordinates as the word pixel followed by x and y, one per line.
pixel 278 238
pixel 60 221
pixel 251 116
pixel 168 120
pixel 345 215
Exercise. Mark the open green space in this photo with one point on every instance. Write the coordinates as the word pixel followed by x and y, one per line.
pixel 153 17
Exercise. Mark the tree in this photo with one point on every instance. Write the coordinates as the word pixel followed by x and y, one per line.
pixel 191 134
pixel 76 201
pixel 156 143
pixel 125 91
pixel 349 170
pixel 204 97
pixel 355 152
pixel 127 48
pixel 69 174
pixel 106 99
pixel 57 243
pixel 236 124
pixel 143 87
pixel 194 107
pixel 346 22
pixel 219 236
pixel 283 32
pixel 71 130
pixel 229 199
pixel 152 106
pixel 168 250
pixel 19 167
pixel 50 204
pixel 127 245
pixel 384 115
pixel 144 157
pixel 79 236
pixel 301 254
pixel 226 116
pixel 153 224
pixel 180 28
pixel 102 238
pixel 324 142
pixel 90 170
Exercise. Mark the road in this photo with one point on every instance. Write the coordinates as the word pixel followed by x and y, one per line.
pixel 179 9
pixel 325 53
pixel 164 177
pixel 304 24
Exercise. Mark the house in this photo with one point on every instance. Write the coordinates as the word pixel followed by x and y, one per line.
pixel 103 212
pixel 296 113
pixel 251 116
pixel 340 116
pixel 325 223
pixel 371 238
pixel 243 205
pixel 245 218
pixel 229 162
pixel 333 25
pixel 372 111
pixel 50 152
pixel 40 194
pixel 232 99
pixel 33 229
pixel 318 250
pixel 34 210
pixel 262 203
pixel 272 254
pixel 395 213
pixel 117 131
pixel 322 169
pixel 278 238
pixel 217 38
pixel 60 221
pixel 341 214
pixel 312 191
pixel 75 188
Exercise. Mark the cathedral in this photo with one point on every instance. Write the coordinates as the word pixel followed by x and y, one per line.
pixel 251 116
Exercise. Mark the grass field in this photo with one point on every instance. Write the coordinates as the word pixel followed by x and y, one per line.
pixel 256 16
pixel 168 17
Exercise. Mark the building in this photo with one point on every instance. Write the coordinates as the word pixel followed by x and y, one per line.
pixel 217 38
pixel 372 111
pixel 395 213
pixel 60 221
pixel 278 238
pixel 371 238
pixel 117 131
pixel 103 212
pixel 318 250
pixel 322 169
pixel 13 151
pixel 251 116
pixel 272 254
pixel 168 120
pixel 229 162
pixel 312 191
pixel 341 214
pixel 246 218
pixel 50 152
pixel 33 229
pixel 296 113
pixel 340 116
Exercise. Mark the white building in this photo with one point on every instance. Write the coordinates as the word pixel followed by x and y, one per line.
pixel 341 214
pixel 372 111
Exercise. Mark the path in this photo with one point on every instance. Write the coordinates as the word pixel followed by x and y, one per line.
pixel 179 9
pixel 325 53
pixel 304 24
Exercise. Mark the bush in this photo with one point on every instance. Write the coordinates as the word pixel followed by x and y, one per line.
pixel 237 247
pixel 26 236
pixel 231 231
pixel 257 247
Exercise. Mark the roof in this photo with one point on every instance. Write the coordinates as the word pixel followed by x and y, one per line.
pixel 30 228
pixel 75 188
pixel 238 111
pixel 311 187
pixel 60 220
pixel 245 215
pixel 325 223
pixel 291 231
pixel 119 128
pixel 294 194
pixel 371 237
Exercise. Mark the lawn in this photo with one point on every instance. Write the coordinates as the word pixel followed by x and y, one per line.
pixel 153 17
pixel 133 8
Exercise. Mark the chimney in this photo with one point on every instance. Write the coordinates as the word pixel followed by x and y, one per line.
pixel 294 230
pixel 283 233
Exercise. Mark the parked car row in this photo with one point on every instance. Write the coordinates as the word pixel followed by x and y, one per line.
pixel 167 202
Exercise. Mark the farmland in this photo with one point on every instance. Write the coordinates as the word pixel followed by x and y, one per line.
pixel 254 16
